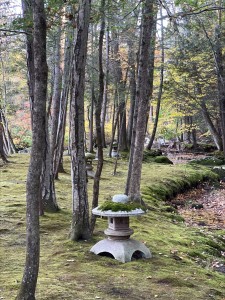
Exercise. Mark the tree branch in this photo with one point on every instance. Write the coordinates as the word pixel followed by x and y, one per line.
pixel 14 31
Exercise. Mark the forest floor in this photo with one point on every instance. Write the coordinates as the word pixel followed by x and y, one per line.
pixel 203 205
pixel 188 256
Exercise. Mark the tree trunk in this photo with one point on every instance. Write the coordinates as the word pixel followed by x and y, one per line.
pixel 66 82
pixel 98 107
pixel 27 13
pixel 132 105
pixel 142 99
pixel 49 202
pixel 28 285
pixel 220 80
pixel 57 89
pixel 105 97
pixel 115 125
pixel 91 121
pixel 215 135
pixel 149 146
pixel 2 152
pixel 120 84
pixel 80 221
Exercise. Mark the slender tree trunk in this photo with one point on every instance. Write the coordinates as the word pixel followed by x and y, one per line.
pixel 57 88
pixel 132 71
pixel 91 120
pixel 120 84
pixel 28 285
pixel 66 82
pixel 105 97
pixel 220 80
pixel 98 107
pixel 92 139
pixel 142 96
pixel 8 143
pixel 27 13
pixel 2 151
pixel 149 146
pixel 115 117
pixel 215 135
pixel 80 221
pixel 132 105
pixel 49 202
pixel 9 146
pixel 115 125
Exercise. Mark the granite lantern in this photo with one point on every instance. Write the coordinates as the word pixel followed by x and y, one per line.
pixel 89 157
pixel 114 152
pixel 118 243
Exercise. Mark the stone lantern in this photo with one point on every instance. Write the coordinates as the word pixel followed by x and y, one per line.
pixel 114 152
pixel 118 243
pixel 89 157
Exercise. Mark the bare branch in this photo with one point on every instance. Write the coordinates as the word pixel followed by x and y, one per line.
pixel 14 31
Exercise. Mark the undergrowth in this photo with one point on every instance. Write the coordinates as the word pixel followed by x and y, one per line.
pixel 181 267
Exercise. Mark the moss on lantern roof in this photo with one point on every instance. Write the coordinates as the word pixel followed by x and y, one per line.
pixel 118 206
pixel 89 155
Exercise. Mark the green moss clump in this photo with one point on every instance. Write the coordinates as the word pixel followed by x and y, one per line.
pixel 219 154
pixel 168 208
pixel 149 155
pixel 118 206
pixel 208 161
pixel 199 147
pixel 163 160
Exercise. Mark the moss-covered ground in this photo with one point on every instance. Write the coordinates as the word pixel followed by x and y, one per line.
pixel 181 266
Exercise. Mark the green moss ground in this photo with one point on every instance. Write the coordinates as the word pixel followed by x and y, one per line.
pixel 182 256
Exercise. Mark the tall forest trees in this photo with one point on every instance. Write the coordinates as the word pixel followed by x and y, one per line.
pixel 195 72
pixel 101 79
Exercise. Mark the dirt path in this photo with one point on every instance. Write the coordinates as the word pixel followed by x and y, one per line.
pixel 203 206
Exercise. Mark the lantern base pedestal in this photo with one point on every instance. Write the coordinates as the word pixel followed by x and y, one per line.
pixel 121 250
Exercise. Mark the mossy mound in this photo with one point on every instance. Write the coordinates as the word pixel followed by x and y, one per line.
pixel 168 185
pixel 208 161
pixel 149 155
pixel 219 154
pixel 162 160
pixel 201 147
pixel 119 206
